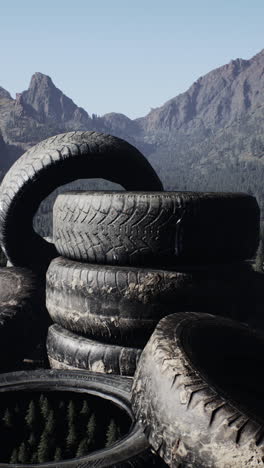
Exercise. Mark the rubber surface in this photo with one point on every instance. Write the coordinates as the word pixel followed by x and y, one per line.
pixel 67 350
pixel 154 229
pixel 53 162
pixel 23 315
pixel 130 451
pixel 198 392
pixel 3 259
pixel 122 305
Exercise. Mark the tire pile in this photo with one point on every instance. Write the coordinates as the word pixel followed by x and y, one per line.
pixel 128 261
pixel 129 258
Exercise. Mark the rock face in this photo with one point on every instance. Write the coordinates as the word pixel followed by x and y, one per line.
pixel 214 99
pixel 4 94
pixel 50 103
pixel 3 154
pixel 208 138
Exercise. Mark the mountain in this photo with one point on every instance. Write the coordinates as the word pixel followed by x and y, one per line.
pixel 4 94
pixel 207 138
pixel 51 104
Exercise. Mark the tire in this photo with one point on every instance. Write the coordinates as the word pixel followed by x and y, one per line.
pixel 198 392
pixel 23 317
pixel 154 229
pixel 122 305
pixel 130 451
pixel 54 162
pixel 3 259
pixel 67 350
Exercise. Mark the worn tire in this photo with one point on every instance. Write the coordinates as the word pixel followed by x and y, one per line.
pixel 54 162
pixel 198 392
pixel 122 305
pixel 23 315
pixel 129 452
pixel 67 350
pixel 154 229
pixel 3 259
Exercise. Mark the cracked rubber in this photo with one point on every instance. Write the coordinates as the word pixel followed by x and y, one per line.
pixel 67 350
pixel 23 316
pixel 131 451
pixel 51 163
pixel 198 392
pixel 122 305
pixel 154 229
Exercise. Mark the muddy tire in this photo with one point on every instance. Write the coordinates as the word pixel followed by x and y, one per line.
pixel 23 317
pixel 67 350
pixel 130 451
pixel 122 305
pixel 198 392
pixel 50 164
pixel 154 229
pixel 3 259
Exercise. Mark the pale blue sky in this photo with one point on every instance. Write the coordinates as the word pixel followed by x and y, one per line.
pixel 124 56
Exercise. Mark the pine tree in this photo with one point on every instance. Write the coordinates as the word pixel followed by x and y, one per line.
pixel 44 407
pixel 91 427
pixel 71 413
pixel 61 404
pixel 30 417
pixel 85 409
pixel 43 448
pixel 82 449
pixel 7 418
pixel 112 433
pixel 32 440
pixel 34 457
pixel 71 439
pixel 50 424
pixel 57 454
pixel 14 456
pixel 23 453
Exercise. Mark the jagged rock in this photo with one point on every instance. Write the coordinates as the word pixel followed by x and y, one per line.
pixel 50 103
pixel 4 94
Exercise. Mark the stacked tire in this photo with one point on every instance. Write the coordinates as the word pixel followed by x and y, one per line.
pixel 130 258
pixel 198 392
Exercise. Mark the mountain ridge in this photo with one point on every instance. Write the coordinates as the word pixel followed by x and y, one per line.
pixel 209 137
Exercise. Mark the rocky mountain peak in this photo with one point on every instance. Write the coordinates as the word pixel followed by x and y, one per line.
pixel 4 94
pixel 50 102
pixel 215 99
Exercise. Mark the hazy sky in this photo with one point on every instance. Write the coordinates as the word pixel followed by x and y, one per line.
pixel 124 55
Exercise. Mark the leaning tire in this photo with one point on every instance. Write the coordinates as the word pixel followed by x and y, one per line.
pixel 54 162
pixel 130 451
pixel 153 229
pixel 198 392
pixel 67 350
pixel 121 305
pixel 23 316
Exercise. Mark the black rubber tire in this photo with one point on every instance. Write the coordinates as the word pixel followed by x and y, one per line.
pixel 23 316
pixel 198 392
pixel 54 162
pixel 67 350
pixel 3 259
pixel 122 305
pixel 154 229
pixel 130 451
